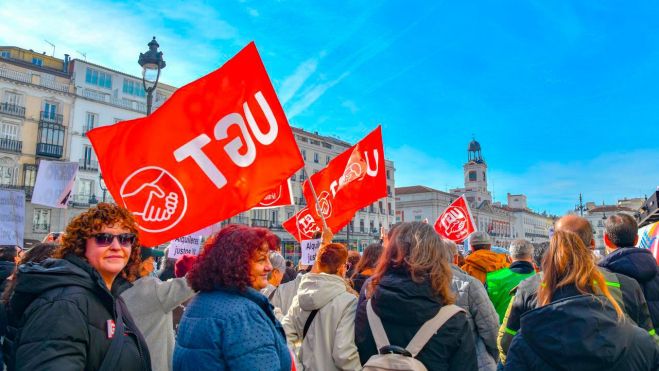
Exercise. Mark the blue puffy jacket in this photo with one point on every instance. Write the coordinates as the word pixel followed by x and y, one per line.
pixel 230 330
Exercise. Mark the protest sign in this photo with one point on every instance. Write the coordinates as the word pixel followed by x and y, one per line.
pixel 12 217
pixel 309 250
pixel 352 180
pixel 456 223
pixel 54 183
pixel 223 143
pixel 184 245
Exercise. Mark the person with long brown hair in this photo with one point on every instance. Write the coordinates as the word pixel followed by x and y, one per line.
pixel 366 265
pixel 578 325
pixel 410 285
pixel 67 310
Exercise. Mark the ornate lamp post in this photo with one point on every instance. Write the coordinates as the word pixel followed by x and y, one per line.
pixel 101 184
pixel 151 63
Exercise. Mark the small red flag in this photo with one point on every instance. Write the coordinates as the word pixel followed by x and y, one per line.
pixel 352 180
pixel 217 147
pixel 456 223
pixel 302 225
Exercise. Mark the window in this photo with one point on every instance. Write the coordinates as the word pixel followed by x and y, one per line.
pixel 12 98
pixel 98 78
pixel 327 145
pixel 391 211
pixel 88 155
pixel 371 208
pixel 9 131
pixel 361 225
pixel 29 174
pixel 134 88
pixel 388 174
pixel 8 171
pixel 49 110
pixel 51 134
pixel 389 191
pixel 91 121
pixel 5 54
pixel 372 225
pixel 316 158
pixel 381 207
pixel 85 188
pixel 41 221
pixel 417 218
pixel 484 176
pixel 303 175
pixel 327 160
pixel 37 61
pixel 472 176
pixel 304 154
pixel 302 139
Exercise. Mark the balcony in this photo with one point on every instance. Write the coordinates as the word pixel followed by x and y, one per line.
pixel 12 110
pixel 264 223
pixel 49 150
pixel 82 200
pixel 11 145
pixel 28 189
pixel 51 118
pixel 87 165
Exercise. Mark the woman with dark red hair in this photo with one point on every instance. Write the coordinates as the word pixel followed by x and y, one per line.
pixel 230 325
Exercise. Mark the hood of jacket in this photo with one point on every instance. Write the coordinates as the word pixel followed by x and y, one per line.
pixel 36 279
pixel 577 330
pixel 486 260
pixel 633 262
pixel 318 289
pixel 397 292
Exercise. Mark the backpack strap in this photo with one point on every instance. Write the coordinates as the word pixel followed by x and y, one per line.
pixel 431 327
pixel 307 324
pixel 272 294
pixel 111 358
pixel 374 322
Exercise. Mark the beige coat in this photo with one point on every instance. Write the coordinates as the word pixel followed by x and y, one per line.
pixel 330 342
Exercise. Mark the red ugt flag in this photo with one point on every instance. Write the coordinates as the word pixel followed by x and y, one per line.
pixel 214 149
pixel 354 179
pixel 302 225
pixel 456 223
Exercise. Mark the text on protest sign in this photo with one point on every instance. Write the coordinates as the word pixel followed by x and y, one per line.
pixel 352 180
pixel 54 183
pixel 222 141
pixel 12 217
pixel 309 251
pixel 184 245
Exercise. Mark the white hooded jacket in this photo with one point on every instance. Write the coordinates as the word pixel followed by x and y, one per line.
pixel 330 341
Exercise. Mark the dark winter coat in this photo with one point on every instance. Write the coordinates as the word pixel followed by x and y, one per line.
pixel 6 269
pixel 404 306
pixel 640 265
pixel 580 332
pixel 59 315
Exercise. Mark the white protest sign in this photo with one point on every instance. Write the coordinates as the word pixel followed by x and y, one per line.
pixel 309 251
pixel 12 217
pixel 184 245
pixel 54 183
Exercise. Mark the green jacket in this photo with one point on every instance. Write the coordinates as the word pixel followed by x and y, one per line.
pixel 499 285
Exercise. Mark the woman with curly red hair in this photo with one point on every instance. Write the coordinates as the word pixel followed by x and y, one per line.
pixel 67 313
pixel 230 325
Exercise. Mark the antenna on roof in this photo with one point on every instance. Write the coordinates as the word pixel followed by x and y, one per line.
pixel 53 45
pixel 84 55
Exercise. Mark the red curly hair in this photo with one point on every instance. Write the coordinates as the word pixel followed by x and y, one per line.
pixel 226 257
pixel 85 225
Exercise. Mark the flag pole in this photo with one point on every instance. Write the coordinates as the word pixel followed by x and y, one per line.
pixel 315 196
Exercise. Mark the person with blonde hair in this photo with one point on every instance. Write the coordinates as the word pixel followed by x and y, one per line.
pixel 577 324
pixel 409 287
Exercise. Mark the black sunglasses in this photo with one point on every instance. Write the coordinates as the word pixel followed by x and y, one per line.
pixel 125 239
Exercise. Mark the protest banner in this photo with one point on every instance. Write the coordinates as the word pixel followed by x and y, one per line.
pixel 184 245
pixel 309 249
pixel 456 223
pixel 54 183
pixel 282 195
pixel 12 217
pixel 222 144
pixel 354 179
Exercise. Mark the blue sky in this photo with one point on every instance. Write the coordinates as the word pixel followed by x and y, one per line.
pixel 563 96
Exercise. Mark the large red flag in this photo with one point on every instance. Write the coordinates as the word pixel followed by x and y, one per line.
pixel 214 149
pixel 302 225
pixel 352 180
pixel 456 223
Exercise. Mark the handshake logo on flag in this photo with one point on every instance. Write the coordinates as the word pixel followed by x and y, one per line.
pixel 157 196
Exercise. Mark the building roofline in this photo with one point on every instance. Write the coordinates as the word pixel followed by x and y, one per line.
pixel 406 190
pixel 171 87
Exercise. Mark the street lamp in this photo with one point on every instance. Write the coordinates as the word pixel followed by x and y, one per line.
pixel 580 207
pixel 151 63
pixel 100 184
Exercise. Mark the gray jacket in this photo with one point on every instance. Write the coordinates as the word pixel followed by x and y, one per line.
pixel 151 302
pixel 471 296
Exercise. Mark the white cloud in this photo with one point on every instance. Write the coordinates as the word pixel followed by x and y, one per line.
pixel 253 12
pixel 294 82
pixel 312 95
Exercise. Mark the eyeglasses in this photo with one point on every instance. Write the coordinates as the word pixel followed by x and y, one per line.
pixel 105 239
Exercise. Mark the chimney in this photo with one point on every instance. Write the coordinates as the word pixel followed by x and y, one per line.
pixel 66 63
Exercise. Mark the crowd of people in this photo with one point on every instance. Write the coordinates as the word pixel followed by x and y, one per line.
pixel 94 300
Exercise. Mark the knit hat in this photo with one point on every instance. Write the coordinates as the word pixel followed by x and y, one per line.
pixel 184 264
pixel 479 238
pixel 278 262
